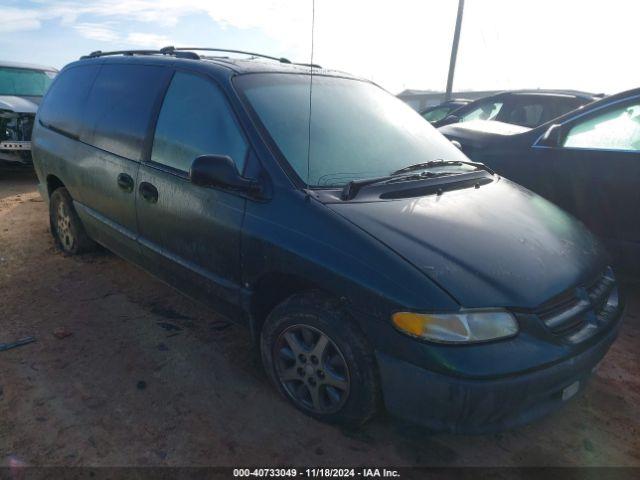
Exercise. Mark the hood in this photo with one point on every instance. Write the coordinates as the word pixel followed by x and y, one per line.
pixel 499 245
pixel 20 104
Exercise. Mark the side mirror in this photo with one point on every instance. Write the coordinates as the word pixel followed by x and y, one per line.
pixel 552 136
pixel 457 144
pixel 220 171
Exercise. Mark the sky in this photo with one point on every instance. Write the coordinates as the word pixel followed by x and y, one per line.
pixel 400 44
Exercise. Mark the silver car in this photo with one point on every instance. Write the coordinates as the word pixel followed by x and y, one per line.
pixel 21 89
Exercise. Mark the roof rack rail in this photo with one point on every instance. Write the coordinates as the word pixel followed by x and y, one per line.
pixel 187 52
pixel 253 54
pixel 225 50
pixel 162 51
pixel 312 65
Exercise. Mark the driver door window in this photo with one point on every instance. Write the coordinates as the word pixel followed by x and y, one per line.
pixel 617 129
pixel 196 120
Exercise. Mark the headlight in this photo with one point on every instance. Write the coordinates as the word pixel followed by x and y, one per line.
pixel 468 326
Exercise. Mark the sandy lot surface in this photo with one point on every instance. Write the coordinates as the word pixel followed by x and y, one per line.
pixel 149 378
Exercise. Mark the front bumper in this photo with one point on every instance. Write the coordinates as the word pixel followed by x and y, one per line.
pixel 457 405
pixel 18 146
pixel 16 152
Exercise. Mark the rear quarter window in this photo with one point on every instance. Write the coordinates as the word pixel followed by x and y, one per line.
pixel 120 107
pixel 63 107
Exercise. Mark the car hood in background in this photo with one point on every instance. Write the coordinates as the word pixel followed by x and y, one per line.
pixel 496 246
pixel 19 104
pixel 488 126
pixel 480 131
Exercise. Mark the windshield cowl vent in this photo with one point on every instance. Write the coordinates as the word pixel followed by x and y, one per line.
pixel 437 189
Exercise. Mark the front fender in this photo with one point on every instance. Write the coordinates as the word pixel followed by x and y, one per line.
pixel 299 236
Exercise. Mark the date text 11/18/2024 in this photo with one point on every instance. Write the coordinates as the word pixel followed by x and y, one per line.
pixel 317 472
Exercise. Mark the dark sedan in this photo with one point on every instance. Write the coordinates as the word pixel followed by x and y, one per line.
pixel 527 108
pixel 587 162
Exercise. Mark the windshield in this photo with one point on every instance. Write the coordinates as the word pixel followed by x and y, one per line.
pixel 436 114
pixel 357 130
pixel 24 82
pixel 486 111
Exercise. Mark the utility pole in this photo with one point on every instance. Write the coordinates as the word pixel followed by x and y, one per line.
pixel 454 50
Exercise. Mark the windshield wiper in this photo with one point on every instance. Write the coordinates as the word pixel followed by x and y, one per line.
pixel 352 188
pixel 439 163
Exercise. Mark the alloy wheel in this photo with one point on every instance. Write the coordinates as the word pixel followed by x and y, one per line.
pixel 63 228
pixel 312 369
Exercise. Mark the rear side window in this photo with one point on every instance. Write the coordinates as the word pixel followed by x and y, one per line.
pixel 196 120
pixel 562 106
pixel 64 105
pixel 121 105
pixel 531 111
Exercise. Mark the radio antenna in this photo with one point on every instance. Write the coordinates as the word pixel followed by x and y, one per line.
pixel 311 66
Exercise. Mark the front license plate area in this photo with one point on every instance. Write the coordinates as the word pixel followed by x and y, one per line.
pixel 570 391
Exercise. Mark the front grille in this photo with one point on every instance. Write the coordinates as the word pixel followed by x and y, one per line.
pixel 578 314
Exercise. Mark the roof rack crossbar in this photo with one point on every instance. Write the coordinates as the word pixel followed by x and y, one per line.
pixel 227 50
pixel 100 53
pixel 312 65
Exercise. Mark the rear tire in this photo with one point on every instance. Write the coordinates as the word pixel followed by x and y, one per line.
pixel 320 361
pixel 66 227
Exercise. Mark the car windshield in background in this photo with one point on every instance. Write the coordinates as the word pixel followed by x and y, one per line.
pixel 358 130
pixel 436 114
pixel 487 111
pixel 24 82
pixel 526 110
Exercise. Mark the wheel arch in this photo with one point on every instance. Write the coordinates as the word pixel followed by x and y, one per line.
pixel 272 289
pixel 53 183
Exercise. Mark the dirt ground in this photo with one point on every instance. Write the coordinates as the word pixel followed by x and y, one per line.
pixel 149 378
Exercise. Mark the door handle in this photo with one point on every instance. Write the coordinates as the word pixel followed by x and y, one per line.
pixel 125 182
pixel 148 192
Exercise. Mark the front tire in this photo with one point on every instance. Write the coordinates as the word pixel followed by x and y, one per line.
pixel 320 361
pixel 66 227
